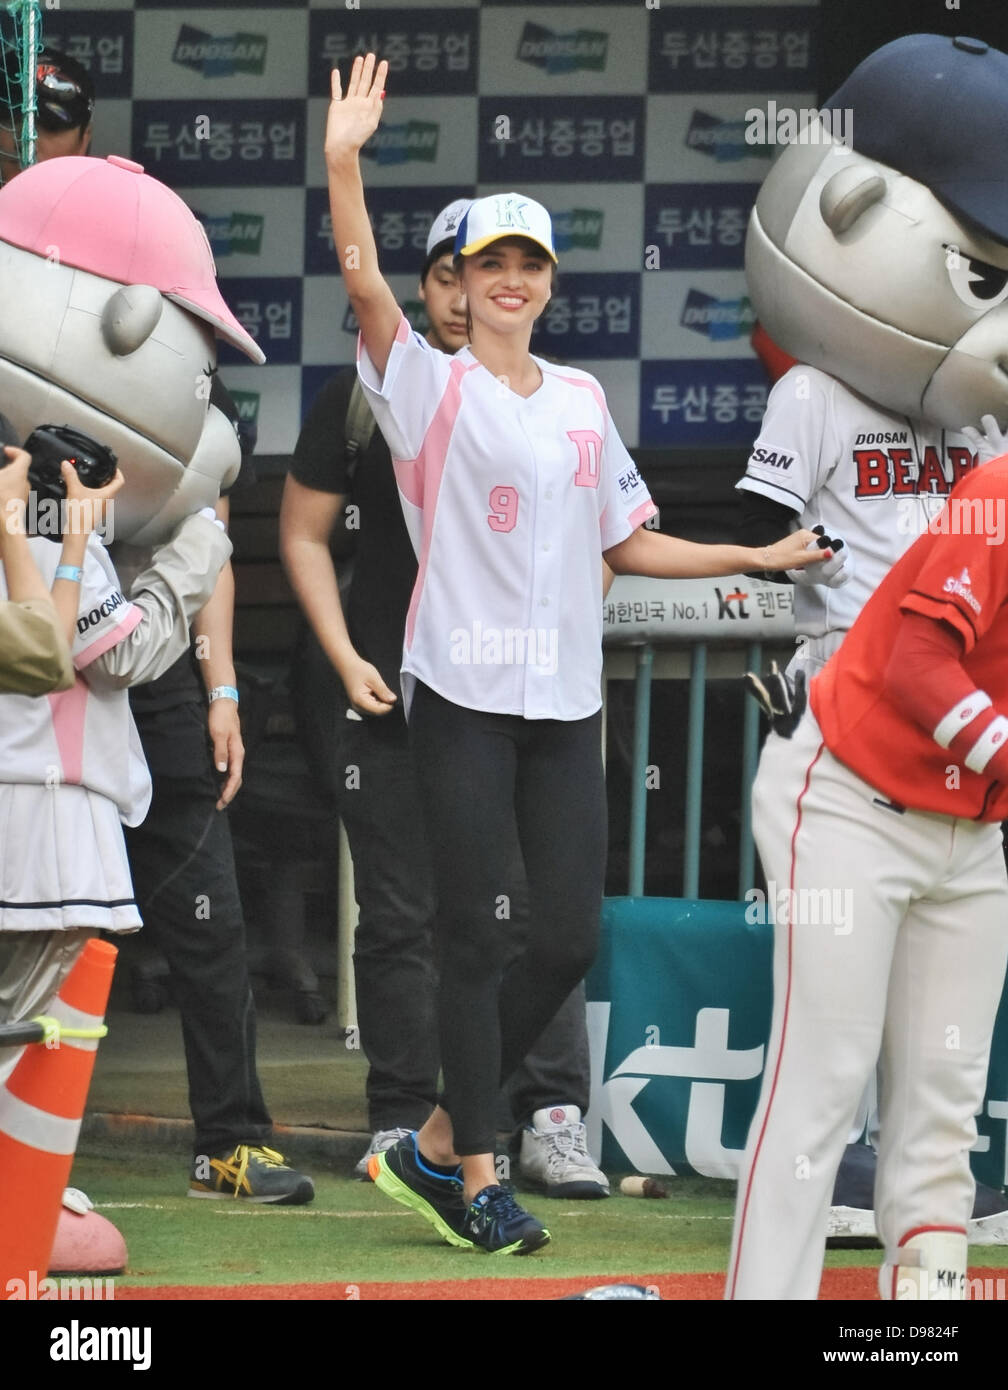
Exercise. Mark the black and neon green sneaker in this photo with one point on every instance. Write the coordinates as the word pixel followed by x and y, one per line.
pixel 252 1173
pixel 401 1173
pixel 495 1222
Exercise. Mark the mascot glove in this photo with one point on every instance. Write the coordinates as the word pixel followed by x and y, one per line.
pixel 988 442
pixel 780 699
pixel 211 515
pixel 833 572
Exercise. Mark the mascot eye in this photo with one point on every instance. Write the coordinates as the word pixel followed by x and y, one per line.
pixel 978 284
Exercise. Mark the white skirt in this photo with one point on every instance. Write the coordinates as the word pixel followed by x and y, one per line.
pixel 63 861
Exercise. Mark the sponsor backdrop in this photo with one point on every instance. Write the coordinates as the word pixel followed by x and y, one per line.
pixel 679 1004
pixel 627 120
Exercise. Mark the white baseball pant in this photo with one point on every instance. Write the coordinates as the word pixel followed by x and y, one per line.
pixel 890 942
pixel 811 655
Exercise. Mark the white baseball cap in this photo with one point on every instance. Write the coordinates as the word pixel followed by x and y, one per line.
pixel 504 215
pixel 445 225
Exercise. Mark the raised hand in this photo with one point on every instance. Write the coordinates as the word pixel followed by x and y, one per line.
pixel 354 118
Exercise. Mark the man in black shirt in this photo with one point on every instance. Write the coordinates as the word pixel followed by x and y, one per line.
pixel 182 862
pixel 181 856
pixel 346 680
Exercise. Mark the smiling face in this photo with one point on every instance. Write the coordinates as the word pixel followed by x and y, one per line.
pixel 508 285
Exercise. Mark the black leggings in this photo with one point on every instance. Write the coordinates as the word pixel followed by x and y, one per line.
pixel 481 776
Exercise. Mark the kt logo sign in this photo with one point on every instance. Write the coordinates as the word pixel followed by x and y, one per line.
pixel 709 1065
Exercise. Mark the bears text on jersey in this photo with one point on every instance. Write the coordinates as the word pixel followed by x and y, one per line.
pixel 890 472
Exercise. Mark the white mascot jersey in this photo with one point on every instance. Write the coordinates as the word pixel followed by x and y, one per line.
pixel 872 476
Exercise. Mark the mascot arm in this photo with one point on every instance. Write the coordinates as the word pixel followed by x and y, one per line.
pixel 170 590
pixel 763 521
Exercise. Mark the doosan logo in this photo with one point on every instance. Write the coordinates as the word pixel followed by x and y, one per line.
pixel 717 319
pixel 414 309
pixel 247 405
pixel 721 140
pixel 585 50
pixel 400 144
pixel 232 233
pixel 772 458
pixel 94 617
pixel 578 229
pixel 223 56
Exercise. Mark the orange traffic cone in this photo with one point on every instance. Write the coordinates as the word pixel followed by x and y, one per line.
pixel 41 1108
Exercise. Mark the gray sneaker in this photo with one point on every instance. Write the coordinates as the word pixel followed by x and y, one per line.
pixel 381 1140
pixel 554 1155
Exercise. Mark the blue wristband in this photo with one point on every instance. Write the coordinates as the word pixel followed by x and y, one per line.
pixel 71 572
pixel 223 692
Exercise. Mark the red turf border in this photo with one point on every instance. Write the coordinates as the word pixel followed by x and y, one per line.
pixel 843 1284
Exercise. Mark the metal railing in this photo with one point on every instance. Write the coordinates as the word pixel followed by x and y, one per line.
pixel 689 629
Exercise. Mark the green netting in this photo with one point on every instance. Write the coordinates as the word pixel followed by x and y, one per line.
pixel 20 42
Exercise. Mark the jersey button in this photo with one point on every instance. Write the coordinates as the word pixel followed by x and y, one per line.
pixel 549 494
pixel 546 546
pixel 544 603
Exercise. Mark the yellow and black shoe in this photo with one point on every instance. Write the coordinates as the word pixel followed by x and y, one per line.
pixel 250 1173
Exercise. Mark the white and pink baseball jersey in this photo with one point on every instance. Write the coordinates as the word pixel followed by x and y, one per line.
pixel 80 736
pixel 510 503
pixel 866 474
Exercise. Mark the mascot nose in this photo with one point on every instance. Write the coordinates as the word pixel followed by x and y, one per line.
pixel 130 317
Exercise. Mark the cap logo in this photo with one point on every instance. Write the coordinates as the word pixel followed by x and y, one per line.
pixel 511 213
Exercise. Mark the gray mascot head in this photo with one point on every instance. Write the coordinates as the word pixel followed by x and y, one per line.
pixel 878 246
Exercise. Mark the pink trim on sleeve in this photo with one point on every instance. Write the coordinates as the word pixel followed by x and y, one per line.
pixel 641 513
pixel 109 639
pixel 402 333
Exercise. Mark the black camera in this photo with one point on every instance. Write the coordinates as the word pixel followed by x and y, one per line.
pixel 48 446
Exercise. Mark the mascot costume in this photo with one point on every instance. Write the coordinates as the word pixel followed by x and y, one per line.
pixel 111 315
pixel 877 262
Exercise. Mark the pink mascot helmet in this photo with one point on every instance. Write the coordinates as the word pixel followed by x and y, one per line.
pixel 111 309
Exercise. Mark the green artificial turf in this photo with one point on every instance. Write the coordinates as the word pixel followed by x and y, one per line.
pixel 352 1233
pixel 137 1175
